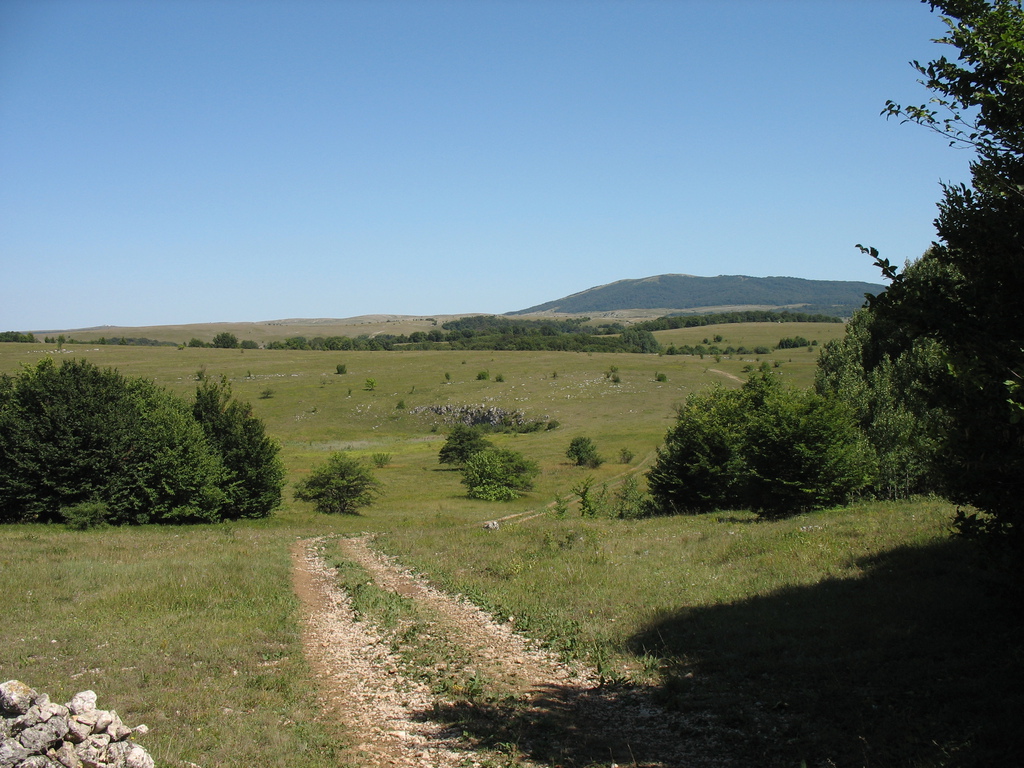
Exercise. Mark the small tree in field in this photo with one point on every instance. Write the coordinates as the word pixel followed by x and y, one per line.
pixel 583 452
pixel 463 441
pixel 342 486
pixel 498 474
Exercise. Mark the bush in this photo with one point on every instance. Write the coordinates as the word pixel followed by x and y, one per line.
pixel 498 474
pixel 381 460
pixel 253 473
pixel 583 452
pixel 342 485
pixel 86 515
pixel 342 369
pixel 77 433
pixel 774 450
pixel 462 442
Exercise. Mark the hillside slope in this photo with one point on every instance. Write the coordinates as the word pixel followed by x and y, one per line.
pixel 689 292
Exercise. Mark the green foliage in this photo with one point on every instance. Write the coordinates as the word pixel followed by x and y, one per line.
pixel 771 449
pixel 370 384
pixel 890 379
pixel 85 515
pixel 342 485
pixel 967 286
pixel 381 459
pixel 342 369
pixel 584 453
pixel 225 340
pixel 462 442
pixel 76 433
pixel 626 456
pixel 253 473
pixel 249 344
pixel 498 474
pixel 483 375
pixel 194 342
pixel 661 377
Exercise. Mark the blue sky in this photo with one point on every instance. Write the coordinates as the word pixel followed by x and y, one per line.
pixel 218 160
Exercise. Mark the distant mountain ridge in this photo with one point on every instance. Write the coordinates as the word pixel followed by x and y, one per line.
pixel 689 293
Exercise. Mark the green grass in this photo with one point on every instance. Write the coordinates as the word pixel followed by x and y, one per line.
pixel 845 637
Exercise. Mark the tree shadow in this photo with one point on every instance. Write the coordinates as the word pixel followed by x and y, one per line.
pixel 917 662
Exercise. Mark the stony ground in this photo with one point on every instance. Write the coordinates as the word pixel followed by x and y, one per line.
pixel 537 711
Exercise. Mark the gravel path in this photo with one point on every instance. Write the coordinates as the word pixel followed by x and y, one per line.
pixel 561 714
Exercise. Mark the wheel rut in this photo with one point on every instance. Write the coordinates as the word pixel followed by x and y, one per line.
pixel 536 711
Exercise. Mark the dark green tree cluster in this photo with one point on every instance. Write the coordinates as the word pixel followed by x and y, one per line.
pixel 583 453
pixel 763 447
pixel 959 309
pixel 75 433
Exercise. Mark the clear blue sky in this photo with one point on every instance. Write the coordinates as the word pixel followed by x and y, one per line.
pixel 186 161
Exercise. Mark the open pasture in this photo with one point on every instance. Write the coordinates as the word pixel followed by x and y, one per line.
pixel 845 637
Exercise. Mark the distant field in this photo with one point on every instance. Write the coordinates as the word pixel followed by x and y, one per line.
pixel 313 410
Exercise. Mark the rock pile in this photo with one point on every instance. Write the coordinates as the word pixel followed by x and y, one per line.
pixel 36 733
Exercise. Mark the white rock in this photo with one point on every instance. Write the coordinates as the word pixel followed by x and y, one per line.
pixel 82 702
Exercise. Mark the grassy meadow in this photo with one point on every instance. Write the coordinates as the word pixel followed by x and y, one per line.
pixel 844 637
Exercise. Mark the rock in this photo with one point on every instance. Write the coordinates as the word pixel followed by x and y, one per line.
pixel 492 525
pixel 39 761
pixel 66 756
pixel 103 719
pixel 82 702
pixel 41 737
pixel 117 754
pixel 11 753
pixel 78 731
pixel 138 757
pixel 15 697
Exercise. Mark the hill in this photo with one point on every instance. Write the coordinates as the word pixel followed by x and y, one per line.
pixel 688 293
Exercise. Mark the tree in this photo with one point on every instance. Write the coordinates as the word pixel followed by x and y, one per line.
pixel 498 474
pixel 342 485
pixel 775 450
pixel 583 452
pixel 225 340
pixel 969 283
pixel 77 433
pixel 462 442
pixel 254 475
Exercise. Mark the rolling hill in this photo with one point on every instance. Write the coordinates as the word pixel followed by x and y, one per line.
pixel 689 293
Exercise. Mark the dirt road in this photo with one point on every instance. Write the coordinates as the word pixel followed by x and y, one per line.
pixel 535 710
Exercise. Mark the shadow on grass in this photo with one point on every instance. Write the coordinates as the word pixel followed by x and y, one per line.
pixel 916 663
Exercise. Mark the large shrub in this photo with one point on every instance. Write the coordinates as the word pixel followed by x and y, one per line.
pixel 772 449
pixel 253 473
pixel 462 442
pixel 342 485
pixel 498 474
pixel 76 433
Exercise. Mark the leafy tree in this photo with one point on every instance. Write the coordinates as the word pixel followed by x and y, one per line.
pixel 775 450
pixel 968 286
pixel 583 452
pixel 889 377
pixel 225 340
pixel 194 342
pixel 77 433
pixel 249 344
pixel 498 474
pixel 701 465
pixel 254 475
pixel 462 442
pixel 342 485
